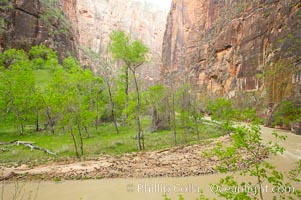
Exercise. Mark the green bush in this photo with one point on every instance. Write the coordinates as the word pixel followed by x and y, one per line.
pixel 288 111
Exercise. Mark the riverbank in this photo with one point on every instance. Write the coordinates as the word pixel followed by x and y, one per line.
pixel 180 161
pixel 129 188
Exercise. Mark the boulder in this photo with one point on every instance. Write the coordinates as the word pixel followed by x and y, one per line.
pixel 296 127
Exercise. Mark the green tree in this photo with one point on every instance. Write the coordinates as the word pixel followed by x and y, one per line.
pixel 107 76
pixel 105 70
pixel 288 111
pixel 37 106
pixel 157 96
pixel 183 106
pixel 119 49
pixel 248 139
pixel 17 86
pixel 133 54
pixel 54 97
pixel 69 100
pixel 196 114
pixel 43 57
pixel 222 112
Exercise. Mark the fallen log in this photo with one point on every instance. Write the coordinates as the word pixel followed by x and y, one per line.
pixel 29 144
pixel 32 147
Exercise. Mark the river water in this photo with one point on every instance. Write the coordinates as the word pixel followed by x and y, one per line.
pixel 152 188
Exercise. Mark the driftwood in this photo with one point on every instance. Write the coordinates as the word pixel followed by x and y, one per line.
pixel 28 144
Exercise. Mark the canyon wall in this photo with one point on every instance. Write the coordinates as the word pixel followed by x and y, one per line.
pixel 79 27
pixel 94 20
pixel 227 47
pixel 30 22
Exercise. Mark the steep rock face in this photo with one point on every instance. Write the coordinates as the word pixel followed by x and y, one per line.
pixel 96 19
pixel 27 27
pixel 225 47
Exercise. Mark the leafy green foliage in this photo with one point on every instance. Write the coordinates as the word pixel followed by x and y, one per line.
pixel 222 110
pixel 16 87
pixel 43 57
pixel 248 138
pixel 66 100
pixel 133 54
pixel 155 94
pixel 288 111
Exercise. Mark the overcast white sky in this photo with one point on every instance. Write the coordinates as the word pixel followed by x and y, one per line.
pixel 160 3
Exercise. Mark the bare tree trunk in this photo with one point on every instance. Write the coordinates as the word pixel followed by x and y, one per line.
pixel 37 121
pixel 87 132
pixel 21 128
pixel 140 147
pixel 96 118
pixel 74 142
pixel 185 129
pixel 174 120
pixel 126 92
pixel 20 124
pixel 51 122
pixel 80 138
pixel 155 120
pixel 112 106
pixel 197 127
pixel 50 119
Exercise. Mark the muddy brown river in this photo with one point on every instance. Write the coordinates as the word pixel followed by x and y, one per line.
pixel 151 188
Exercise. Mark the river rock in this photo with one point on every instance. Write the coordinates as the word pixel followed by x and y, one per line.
pixel 296 127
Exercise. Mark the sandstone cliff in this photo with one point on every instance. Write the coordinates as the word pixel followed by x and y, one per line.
pixel 31 22
pixel 90 22
pixel 224 48
pixel 94 20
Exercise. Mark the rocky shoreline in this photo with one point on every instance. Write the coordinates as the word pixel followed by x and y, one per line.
pixel 178 161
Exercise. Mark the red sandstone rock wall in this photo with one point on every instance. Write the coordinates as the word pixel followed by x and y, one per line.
pixel 224 47
pixel 26 28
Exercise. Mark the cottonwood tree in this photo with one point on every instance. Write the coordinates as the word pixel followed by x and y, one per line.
pixel 119 49
pixel 133 54
pixel 184 108
pixel 77 113
pixel 171 101
pixel 196 114
pixel 157 96
pixel 16 86
pixel 222 110
pixel 41 58
pixel 37 106
pixel 54 97
pixel 106 73
pixel 105 70
pixel 71 88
